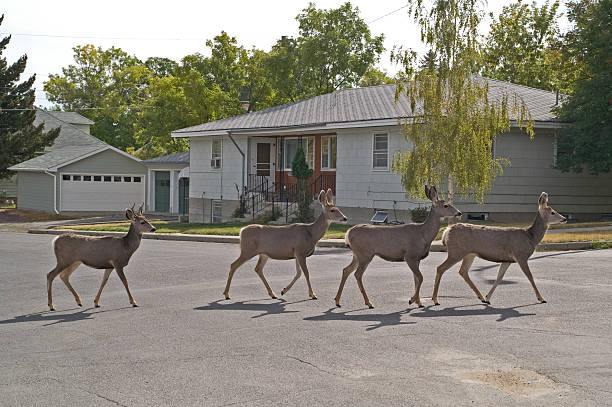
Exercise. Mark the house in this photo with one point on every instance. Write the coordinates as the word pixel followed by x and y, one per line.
pixel 78 173
pixel 168 183
pixel 350 136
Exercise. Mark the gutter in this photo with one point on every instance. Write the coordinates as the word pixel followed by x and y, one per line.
pixel 229 133
pixel 54 192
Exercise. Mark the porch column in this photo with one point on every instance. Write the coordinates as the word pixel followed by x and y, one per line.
pixel 173 191
pixel 151 183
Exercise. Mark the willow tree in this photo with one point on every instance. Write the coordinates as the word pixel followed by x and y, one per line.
pixel 454 120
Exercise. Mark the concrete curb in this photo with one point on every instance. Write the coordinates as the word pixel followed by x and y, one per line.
pixel 436 245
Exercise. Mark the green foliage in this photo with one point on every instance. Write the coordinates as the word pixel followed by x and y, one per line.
pixel 419 214
pixel 374 77
pixel 299 166
pixel 454 123
pixel 586 142
pixel 20 140
pixel 523 47
pixel 300 170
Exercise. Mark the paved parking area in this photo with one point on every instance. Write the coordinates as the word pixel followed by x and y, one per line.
pixel 186 346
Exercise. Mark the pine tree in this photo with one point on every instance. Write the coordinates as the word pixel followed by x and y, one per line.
pixel 20 140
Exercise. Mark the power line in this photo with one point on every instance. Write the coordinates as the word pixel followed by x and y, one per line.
pixel 82 108
pixel 101 38
pixel 388 14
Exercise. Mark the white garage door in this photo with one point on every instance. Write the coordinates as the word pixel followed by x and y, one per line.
pixel 100 192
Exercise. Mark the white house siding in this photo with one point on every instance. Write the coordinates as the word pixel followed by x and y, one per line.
pixel 35 191
pixel 208 184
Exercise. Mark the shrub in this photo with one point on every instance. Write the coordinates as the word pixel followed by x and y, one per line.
pixel 419 214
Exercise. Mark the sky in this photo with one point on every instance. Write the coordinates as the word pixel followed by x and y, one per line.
pixel 46 31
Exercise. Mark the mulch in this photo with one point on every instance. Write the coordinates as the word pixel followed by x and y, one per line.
pixel 6 216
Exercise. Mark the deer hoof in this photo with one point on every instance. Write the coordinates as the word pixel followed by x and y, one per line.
pixel 410 302
pixel 97 305
pixel 338 305
pixel 421 306
pixel 436 303
pixel 486 302
pixel 80 305
pixel 274 297
pixel 134 305
pixel 370 306
pixel 51 309
pixel 314 297
pixel 543 302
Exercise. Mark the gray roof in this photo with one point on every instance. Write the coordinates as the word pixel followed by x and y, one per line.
pixel 176 158
pixel 71 117
pixel 71 144
pixel 361 104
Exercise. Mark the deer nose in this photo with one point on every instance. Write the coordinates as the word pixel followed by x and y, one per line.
pixel 153 229
pixel 459 213
pixel 344 219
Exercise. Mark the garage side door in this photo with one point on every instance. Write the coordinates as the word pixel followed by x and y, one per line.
pixel 101 193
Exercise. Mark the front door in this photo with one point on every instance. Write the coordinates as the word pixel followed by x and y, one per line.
pixel 263 159
pixel 162 191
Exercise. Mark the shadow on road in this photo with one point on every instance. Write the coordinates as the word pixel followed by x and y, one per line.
pixel 54 317
pixel 459 311
pixel 264 308
pixel 496 265
pixel 381 320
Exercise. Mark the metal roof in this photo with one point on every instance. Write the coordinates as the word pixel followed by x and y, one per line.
pixel 176 158
pixel 71 117
pixel 360 105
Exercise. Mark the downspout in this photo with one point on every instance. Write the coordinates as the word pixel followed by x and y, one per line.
pixel 229 133
pixel 54 192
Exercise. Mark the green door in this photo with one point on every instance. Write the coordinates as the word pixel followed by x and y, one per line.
pixel 162 191
pixel 184 196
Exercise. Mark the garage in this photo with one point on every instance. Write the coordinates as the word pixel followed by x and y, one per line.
pixel 100 192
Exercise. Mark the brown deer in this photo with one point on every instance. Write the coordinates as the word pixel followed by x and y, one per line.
pixel 409 243
pixel 296 241
pixel 106 252
pixel 500 245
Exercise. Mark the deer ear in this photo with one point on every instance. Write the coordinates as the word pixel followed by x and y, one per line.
pixel 433 194
pixel 322 197
pixel 140 209
pixel 427 191
pixel 330 196
pixel 129 214
pixel 543 200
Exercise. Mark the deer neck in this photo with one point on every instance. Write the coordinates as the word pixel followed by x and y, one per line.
pixel 319 227
pixel 132 239
pixel 431 226
pixel 538 229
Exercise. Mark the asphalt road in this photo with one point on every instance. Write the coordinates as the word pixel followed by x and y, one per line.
pixel 186 346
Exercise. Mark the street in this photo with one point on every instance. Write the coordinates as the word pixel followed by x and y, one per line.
pixel 184 345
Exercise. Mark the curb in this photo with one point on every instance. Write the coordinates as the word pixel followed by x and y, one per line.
pixel 436 245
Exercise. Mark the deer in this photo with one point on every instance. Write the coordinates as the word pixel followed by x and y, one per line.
pixel 296 241
pixel 106 252
pixel 505 245
pixel 396 243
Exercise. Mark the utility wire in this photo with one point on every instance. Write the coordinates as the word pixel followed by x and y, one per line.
pixel 388 14
pixel 101 38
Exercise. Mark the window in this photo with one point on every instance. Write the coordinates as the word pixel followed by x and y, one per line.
pixel 97 178
pixel 559 150
pixel 107 178
pixel 217 153
pixel 137 179
pixel 76 177
pixel 217 211
pixel 291 146
pixel 117 179
pixel 127 179
pixel 86 177
pixel 328 153
pixel 65 177
pixel 380 151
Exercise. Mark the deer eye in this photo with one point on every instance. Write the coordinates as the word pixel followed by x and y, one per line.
pixel 446 205
pixel 142 223
pixel 333 210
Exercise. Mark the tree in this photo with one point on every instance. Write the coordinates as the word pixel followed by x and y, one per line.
pixel 523 47
pixel 300 170
pixel 20 140
pixel 454 122
pixel 336 49
pixel 586 143
pixel 374 77
pixel 106 86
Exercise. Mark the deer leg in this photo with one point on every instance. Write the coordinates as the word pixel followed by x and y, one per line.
pixel 500 275
pixel 346 272
pixel 237 263
pixel 525 268
pixel 107 274
pixel 65 276
pixel 302 262
pixel 259 270
pixel 463 272
pixel 298 273
pixel 50 277
pixel 359 276
pixel 418 280
pixel 125 283
pixel 448 263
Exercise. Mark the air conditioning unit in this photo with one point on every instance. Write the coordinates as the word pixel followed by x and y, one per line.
pixel 215 162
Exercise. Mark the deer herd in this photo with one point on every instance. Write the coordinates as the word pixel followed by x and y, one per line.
pixel 409 243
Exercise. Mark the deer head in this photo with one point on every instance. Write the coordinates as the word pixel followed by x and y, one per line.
pixel 331 211
pixel 439 207
pixel 549 215
pixel 139 222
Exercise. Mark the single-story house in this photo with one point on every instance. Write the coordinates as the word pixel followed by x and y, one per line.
pixel 168 183
pixel 350 136
pixel 78 173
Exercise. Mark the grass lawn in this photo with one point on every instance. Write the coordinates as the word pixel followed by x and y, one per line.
pixel 337 231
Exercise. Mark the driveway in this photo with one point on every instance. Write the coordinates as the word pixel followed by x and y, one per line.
pixel 186 346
